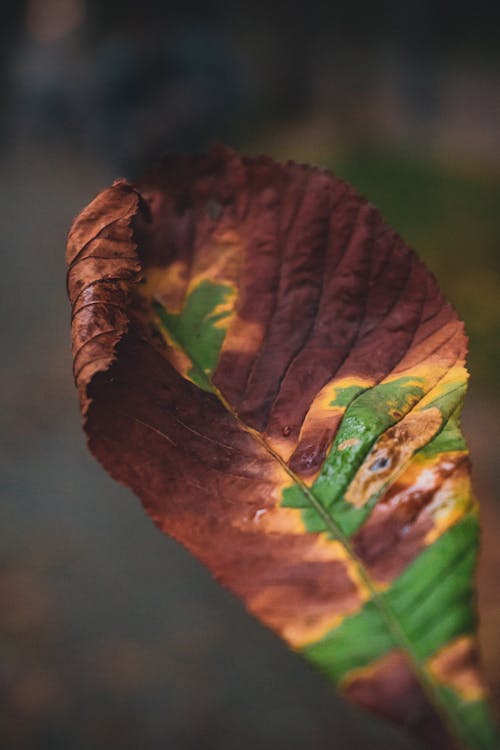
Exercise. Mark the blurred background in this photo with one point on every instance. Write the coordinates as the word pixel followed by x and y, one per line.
pixel 111 636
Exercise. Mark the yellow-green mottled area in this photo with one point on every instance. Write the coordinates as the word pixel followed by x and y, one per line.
pixel 368 415
pixel 200 327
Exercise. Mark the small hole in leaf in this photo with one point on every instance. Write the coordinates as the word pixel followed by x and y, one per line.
pixel 380 463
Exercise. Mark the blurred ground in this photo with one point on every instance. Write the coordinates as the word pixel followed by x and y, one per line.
pixel 111 636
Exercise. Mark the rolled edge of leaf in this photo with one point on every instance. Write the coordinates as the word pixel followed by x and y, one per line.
pixel 103 267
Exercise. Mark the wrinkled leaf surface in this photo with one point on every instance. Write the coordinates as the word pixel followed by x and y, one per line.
pixel 278 377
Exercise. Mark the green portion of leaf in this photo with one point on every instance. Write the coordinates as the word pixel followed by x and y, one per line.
pixel 344 396
pixel 195 328
pixel 447 401
pixel 367 417
pixel 430 602
pixel 365 420
pixel 477 728
pixel 357 642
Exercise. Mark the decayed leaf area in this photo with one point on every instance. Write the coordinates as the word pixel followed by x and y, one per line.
pixel 278 377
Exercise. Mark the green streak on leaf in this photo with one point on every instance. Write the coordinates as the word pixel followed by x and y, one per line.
pixel 367 417
pixel 195 328
pixel 344 396
pixel 358 641
pixel 431 600
pixel 447 402
pixel 477 724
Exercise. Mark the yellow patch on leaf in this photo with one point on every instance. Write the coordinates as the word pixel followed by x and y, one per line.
pixel 454 378
pixel 332 390
pixel 277 520
pixel 224 307
pixel 456 666
pixel 450 503
pixel 166 284
pixel 243 336
pixel 347 444
pixel 218 261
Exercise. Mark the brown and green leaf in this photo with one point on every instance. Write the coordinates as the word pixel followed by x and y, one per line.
pixel 278 377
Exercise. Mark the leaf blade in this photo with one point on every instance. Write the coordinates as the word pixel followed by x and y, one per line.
pixel 312 448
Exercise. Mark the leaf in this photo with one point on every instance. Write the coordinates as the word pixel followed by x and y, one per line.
pixel 277 376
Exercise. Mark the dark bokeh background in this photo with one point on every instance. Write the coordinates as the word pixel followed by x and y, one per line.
pixel 111 636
